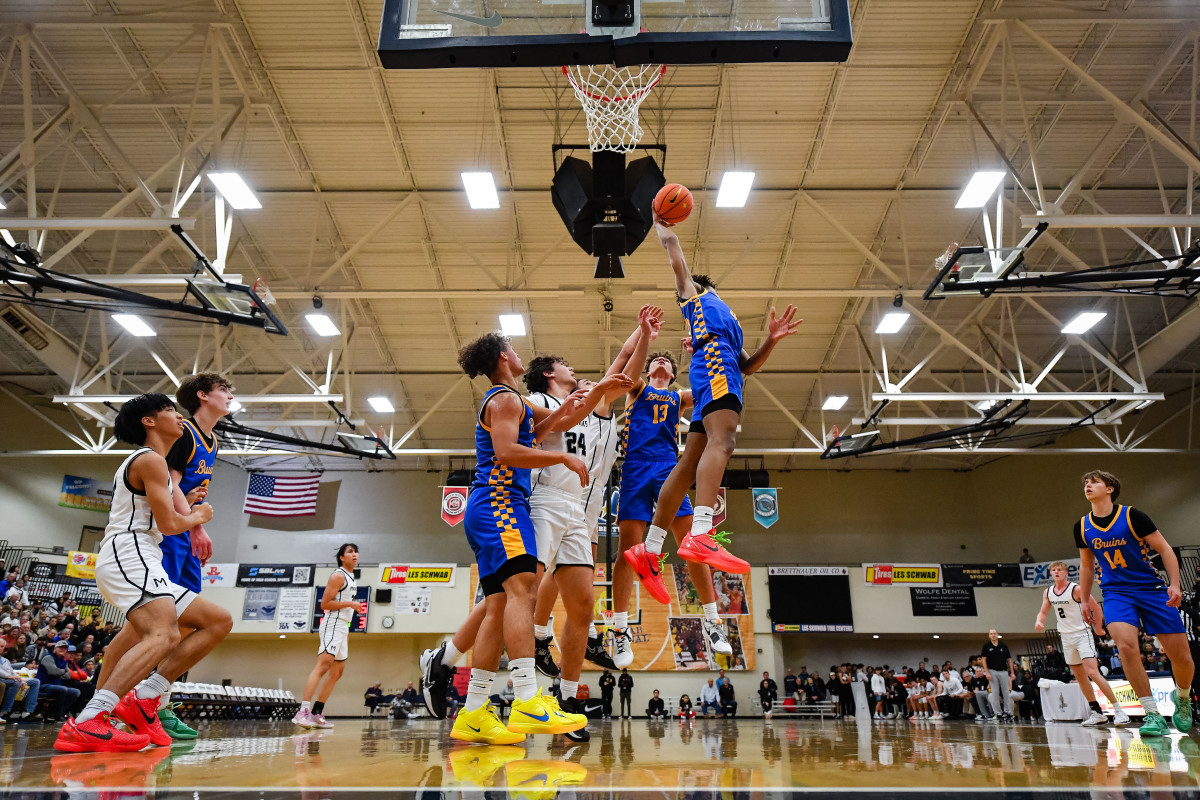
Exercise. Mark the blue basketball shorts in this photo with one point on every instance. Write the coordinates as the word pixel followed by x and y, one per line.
pixel 501 535
pixel 641 482
pixel 714 373
pixel 181 566
pixel 1144 608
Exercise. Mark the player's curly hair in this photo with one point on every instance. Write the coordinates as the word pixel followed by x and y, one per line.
pixel 128 426
pixel 535 374
pixel 1107 478
pixel 704 281
pixel 188 393
pixel 663 354
pixel 481 356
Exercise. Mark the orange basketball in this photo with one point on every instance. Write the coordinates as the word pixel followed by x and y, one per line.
pixel 673 203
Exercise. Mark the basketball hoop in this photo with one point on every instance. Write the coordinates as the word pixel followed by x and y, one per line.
pixel 261 289
pixel 611 97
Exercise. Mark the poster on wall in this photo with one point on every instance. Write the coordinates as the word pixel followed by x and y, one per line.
pixel 86 493
pixel 214 574
pixel 259 605
pixel 81 565
pixel 945 601
pixel 291 616
pixel 1037 575
pixel 981 575
pixel 401 574
pixel 412 599
pixel 275 574
pixel 903 574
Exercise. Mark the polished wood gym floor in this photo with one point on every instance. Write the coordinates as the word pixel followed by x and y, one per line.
pixel 704 758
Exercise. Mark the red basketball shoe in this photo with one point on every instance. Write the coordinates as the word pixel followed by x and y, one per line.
pixel 97 735
pixel 142 717
pixel 709 548
pixel 649 569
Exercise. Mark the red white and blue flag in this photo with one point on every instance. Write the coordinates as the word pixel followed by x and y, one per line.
pixel 281 496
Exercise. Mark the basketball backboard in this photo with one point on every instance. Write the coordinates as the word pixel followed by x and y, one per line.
pixel 978 268
pixel 424 34
pixel 238 302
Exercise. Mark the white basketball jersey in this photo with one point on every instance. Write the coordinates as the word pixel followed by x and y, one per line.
pixel 574 441
pixel 130 510
pixel 602 440
pixel 345 595
pixel 1067 611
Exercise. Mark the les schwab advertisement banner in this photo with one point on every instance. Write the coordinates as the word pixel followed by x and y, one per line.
pixel 903 574
pixel 409 574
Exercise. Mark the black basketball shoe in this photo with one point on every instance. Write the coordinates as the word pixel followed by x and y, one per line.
pixel 572 705
pixel 542 658
pixel 435 681
pixel 597 654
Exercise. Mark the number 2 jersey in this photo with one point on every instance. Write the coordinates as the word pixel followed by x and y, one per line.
pixel 1122 555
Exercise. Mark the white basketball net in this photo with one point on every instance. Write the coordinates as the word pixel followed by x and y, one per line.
pixel 611 97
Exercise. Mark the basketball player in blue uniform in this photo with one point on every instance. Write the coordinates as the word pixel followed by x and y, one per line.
pixel 715 374
pixel 501 534
pixel 207 397
pixel 1114 544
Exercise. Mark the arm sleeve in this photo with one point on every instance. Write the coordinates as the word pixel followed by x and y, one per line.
pixel 1143 526
pixel 181 453
pixel 1077 531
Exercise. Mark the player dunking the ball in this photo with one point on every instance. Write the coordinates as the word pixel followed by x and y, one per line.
pixel 339 604
pixel 1114 543
pixel 715 373
pixel 1067 602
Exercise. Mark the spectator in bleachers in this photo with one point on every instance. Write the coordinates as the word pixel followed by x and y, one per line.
pixel 812 692
pixel 721 679
pixel 728 699
pixel 607 682
pixel 407 702
pixel 657 707
pixel 954 691
pixel 710 698
pixel 9 579
pixel 11 683
pixel 373 698
pixel 979 684
pixel 504 699
pixel 453 698
pixel 17 651
pixel 685 708
pixel 79 680
pixel 51 671
pixel 16 593
pixel 35 651
pixel 625 686
pixel 879 690
pixel 790 684
pixel 1029 701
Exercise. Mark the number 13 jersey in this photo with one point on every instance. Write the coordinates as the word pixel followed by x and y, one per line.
pixel 1122 555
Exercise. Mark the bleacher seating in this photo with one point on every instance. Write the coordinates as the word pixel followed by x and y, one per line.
pixel 207 701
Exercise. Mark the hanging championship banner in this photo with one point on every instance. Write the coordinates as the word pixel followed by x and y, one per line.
pixel 766 506
pixel 454 504
pixel 719 508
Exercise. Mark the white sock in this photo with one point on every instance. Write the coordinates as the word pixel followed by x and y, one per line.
pixel 620 620
pixel 541 631
pixel 592 632
pixel 304 706
pixel 655 539
pixel 1148 704
pixel 453 656
pixel 524 678
pixel 164 699
pixel 103 700
pixel 153 686
pixel 710 612
pixel 568 688
pixel 701 520
pixel 479 688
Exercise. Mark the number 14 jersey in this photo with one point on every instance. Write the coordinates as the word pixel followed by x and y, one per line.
pixel 1118 542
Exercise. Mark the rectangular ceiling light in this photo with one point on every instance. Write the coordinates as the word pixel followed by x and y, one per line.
pixel 1084 322
pixel 735 189
pixel 234 190
pixel 322 325
pixel 481 190
pixel 381 404
pixel 892 322
pixel 512 324
pixel 2 206
pixel 980 188
pixel 134 324
pixel 834 402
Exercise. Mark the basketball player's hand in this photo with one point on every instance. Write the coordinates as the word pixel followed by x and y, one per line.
pixel 196 495
pixel 1174 597
pixel 1039 626
pixel 576 465
pixel 205 512
pixel 655 328
pixel 201 544
pixel 617 381
pixel 1088 616
pixel 686 341
pixel 665 234
pixel 785 325
pixel 649 317
pixel 576 397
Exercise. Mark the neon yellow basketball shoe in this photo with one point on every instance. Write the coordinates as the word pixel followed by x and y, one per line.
pixel 482 726
pixel 542 714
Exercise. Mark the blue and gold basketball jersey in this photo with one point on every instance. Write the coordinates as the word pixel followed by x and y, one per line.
pixel 715 369
pixel 200 465
pixel 489 472
pixel 1122 558
pixel 651 421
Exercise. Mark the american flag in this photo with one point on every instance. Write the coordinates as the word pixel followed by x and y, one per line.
pixel 279 496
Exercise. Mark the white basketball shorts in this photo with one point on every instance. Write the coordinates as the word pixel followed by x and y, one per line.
pixel 129 573
pixel 334 638
pixel 562 535
pixel 1077 646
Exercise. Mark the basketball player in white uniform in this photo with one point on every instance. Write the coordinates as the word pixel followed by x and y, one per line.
pixel 339 605
pixel 1078 645
pixel 152 649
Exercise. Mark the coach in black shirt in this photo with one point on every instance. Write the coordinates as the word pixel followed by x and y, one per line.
pixel 1000 667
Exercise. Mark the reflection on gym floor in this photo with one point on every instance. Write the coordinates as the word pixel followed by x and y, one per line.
pixel 718 756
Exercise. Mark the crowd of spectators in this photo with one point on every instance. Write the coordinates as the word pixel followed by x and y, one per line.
pixel 54 642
